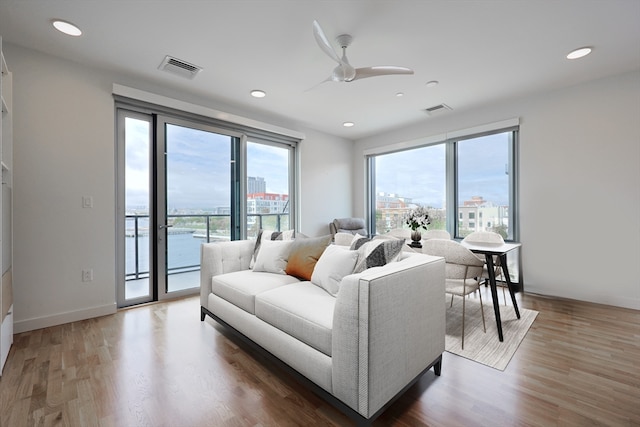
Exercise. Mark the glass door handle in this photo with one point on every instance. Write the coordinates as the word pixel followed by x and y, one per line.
pixel 165 226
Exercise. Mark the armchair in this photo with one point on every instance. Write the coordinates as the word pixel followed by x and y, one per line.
pixel 348 225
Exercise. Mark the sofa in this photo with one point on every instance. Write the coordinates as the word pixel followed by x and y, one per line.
pixel 358 339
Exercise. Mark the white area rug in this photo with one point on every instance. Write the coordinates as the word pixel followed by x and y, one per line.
pixel 484 347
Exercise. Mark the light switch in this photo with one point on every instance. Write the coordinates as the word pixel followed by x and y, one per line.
pixel 87 201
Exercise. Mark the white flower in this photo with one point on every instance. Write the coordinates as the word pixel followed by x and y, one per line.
pixel 418 218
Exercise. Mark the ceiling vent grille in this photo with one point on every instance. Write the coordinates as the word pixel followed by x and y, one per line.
pixel 179 67
pixel 437 109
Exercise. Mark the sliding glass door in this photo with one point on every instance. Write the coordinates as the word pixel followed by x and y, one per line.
pixel 180 183
pixel 196 178
pixel 184 180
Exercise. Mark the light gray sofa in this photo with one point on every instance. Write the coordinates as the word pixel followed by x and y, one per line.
pixel 361 348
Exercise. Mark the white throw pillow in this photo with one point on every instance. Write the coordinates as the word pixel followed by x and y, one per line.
pixel 273 256
pixel 269 235
pixel 335 263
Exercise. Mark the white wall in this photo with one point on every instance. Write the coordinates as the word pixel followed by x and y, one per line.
pixel 579 186
pixel 64 149
pixel 327 182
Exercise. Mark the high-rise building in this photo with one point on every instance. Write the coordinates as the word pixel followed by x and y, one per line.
pixel 256 184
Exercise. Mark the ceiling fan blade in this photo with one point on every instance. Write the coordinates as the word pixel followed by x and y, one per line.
pixel 328 79
pixel 323 42
pixel 381 70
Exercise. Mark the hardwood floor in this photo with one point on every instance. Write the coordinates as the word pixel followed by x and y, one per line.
pixel 158 365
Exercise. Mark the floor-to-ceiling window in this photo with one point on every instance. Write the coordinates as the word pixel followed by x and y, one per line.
pixel 485 184
pixel 184 181
pixel 269 184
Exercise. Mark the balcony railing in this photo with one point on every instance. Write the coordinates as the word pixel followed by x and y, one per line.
pixel 208 227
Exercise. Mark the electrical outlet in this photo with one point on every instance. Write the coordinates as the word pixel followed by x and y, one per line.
pixel 87 202
pixel 87 275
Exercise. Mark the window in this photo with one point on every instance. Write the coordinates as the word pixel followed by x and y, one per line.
pixel 483 181
pixel 405 180
pixel 468 183
pixel 269 180
pixel 184 180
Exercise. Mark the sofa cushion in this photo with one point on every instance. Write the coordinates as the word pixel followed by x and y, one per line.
pixel 304 255
pixel 335 263
pixel 303 311
pixel 377 253
pixel 273 256
pixel 240 287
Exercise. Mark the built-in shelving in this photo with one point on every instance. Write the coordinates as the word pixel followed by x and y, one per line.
pixel 6 226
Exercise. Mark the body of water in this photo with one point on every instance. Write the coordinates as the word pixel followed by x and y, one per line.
pixel 183 251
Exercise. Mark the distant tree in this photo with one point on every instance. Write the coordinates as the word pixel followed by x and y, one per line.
pixel 501 230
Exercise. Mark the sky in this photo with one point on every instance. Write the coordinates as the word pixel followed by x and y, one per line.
pixel 420 173
pixel 198 167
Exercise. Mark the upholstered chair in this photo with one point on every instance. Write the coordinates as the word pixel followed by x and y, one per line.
pixel 436 234
pixel 348 225
pixel 488 237
pixel 462 269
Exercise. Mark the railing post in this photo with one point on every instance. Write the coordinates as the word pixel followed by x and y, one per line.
pixel 278 222
pixel 208 232
pixel 135 234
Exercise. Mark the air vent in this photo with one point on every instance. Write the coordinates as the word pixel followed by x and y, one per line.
pixel 179 67
pixel 437 109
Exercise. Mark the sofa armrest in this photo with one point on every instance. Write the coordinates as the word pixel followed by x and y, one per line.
pixel 222 257
pixel 388 327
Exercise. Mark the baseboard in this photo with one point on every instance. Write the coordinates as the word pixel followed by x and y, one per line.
pixel 612 299
pixel 62 318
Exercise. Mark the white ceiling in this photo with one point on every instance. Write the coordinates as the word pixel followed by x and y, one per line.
pixel 480 51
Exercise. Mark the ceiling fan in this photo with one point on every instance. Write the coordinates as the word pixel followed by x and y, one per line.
pixel 345 72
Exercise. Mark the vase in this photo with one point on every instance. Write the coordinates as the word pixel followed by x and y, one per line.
pixel 415 239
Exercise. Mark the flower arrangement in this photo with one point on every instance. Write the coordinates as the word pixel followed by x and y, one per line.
pixel 418 218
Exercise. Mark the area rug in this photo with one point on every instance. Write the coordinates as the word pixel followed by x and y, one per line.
pixel 484 347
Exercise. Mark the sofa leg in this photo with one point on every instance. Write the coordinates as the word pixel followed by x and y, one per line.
pixel 203 313
pixel 437 368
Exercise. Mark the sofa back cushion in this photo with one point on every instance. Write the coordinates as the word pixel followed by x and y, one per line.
pixel 305 254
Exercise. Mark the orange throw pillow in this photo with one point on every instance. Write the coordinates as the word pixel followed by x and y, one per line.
pixel 304 255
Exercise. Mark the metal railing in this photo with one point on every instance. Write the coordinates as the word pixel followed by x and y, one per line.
pixel 202 224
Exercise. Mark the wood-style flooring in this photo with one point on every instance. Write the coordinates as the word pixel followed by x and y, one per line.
pixel 159 365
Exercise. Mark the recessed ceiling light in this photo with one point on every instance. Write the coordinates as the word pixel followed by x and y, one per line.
pixel 67 28
pixel 258 93
pixel 432 83
pixel 579 53
pixel 348 124
pixel 399 94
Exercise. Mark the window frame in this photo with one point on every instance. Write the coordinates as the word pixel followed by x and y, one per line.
pixel 245 133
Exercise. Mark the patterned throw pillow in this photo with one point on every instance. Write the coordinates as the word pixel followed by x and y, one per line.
pixel 358 240
pixel 269 235
pixel 304 255
pixel 377 253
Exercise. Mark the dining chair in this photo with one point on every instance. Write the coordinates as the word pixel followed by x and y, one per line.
pixel 494 238
pixel 436 234
pixel 462 268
